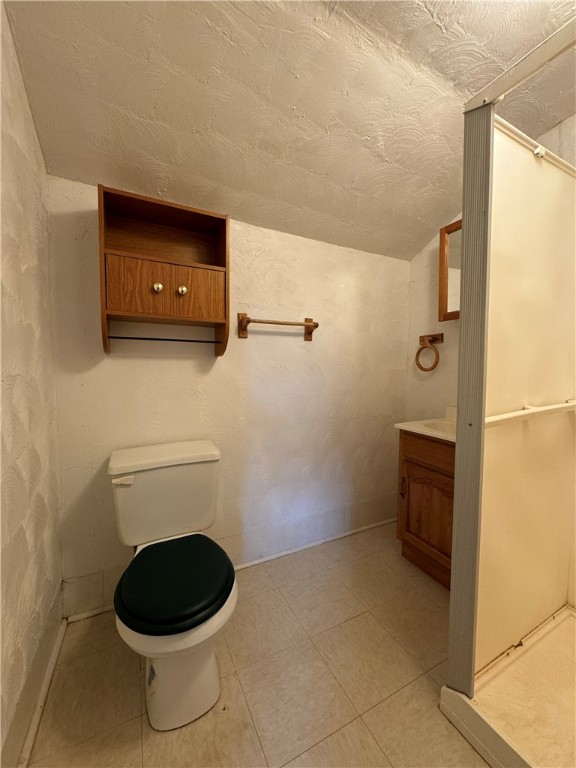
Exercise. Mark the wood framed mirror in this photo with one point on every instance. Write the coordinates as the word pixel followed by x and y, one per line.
pixel 450 259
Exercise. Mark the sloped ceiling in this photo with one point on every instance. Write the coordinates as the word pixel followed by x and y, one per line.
pixel 340 121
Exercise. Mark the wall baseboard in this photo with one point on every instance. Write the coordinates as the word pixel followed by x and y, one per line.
pixel 21 733
pixel 43 693
pixel 314 544
pixel 90 614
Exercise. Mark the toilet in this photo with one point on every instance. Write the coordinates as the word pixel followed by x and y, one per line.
pixel 179 589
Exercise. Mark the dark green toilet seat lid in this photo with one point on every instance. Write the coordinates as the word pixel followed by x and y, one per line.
pixel 173 586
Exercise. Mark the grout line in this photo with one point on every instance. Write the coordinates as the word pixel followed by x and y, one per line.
pixel 223 636
pixel 268 657
pixel 317 743
pixel 340 623
pixel 142 735
pixel 409 682
pixel 252 718
pixel 377 742
pixel 341 688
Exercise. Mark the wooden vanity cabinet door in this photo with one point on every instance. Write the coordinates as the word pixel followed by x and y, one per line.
pixel 425 504
pixel 130 286
pixel 430 498
pixel 205 295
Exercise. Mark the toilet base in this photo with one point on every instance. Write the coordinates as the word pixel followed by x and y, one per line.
pixel 181 688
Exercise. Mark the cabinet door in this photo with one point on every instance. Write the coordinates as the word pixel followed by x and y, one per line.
pixel 204 298
pixel 130 285
pixel 429 501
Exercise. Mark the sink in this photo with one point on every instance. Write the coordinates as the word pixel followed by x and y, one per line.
pixel 441 425
pixel 442 429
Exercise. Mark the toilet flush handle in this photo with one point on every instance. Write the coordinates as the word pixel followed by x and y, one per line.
pixel 125 480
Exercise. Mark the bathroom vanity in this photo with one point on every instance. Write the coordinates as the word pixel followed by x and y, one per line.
pixel 426 495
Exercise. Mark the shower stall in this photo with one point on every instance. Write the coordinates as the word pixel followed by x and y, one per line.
pixel 511 687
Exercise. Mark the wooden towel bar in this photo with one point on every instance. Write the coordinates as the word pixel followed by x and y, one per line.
pixel 244 321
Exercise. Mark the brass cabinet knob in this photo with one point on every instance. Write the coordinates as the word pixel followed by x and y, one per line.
pixel 158 287
pixel 182 290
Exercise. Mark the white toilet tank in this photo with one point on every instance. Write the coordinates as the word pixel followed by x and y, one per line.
pixel 164 490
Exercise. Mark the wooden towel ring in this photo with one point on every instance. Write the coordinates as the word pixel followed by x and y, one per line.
pixel 427 342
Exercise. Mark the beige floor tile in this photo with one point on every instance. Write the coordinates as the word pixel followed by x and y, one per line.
pixel 120 747
pixel 253 580
pixel 366 661
pixel 355 546
pixel 418 624
pixel 431 589
pixel 322 602
pixel 413 733
pixel 295 702
pixel 260 626
pixel 391 559
pixel 361 580
pixel 88 636
pixel 427 644
pixel 375 539
pixel 439 673
pixel 351 747
pixel 339 551
pixel 428 648
pixel 224 736
pixel 87 696
pixel 301 565
pixel 370 575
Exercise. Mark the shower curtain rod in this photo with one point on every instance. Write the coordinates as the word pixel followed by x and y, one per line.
pixel 529 410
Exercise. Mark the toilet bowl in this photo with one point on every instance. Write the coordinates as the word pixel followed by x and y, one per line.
pixel 179 590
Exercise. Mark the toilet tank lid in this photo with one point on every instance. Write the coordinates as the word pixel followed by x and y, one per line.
pixel 167 455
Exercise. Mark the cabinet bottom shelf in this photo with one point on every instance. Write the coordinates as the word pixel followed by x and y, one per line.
pixel 426 563
pixel 221 330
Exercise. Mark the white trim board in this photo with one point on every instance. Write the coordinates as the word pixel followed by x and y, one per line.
pixel 489 742
pixel 528 65
pixel 42 695
pixel 531 144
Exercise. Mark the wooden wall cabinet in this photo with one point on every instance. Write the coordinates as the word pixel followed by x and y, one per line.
pixel 425 503
pixel 162 263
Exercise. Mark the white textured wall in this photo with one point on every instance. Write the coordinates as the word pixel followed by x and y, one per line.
pixel 31 569
pixel 528 489
pixel 562 140
pixel 429 393
pixel 305 429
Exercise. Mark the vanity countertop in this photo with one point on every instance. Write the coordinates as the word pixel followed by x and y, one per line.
pixel 441 429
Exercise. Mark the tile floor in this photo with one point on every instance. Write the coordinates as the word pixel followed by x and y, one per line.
pixel 334 657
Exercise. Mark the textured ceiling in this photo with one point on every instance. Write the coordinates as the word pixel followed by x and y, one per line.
pixel 340 121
